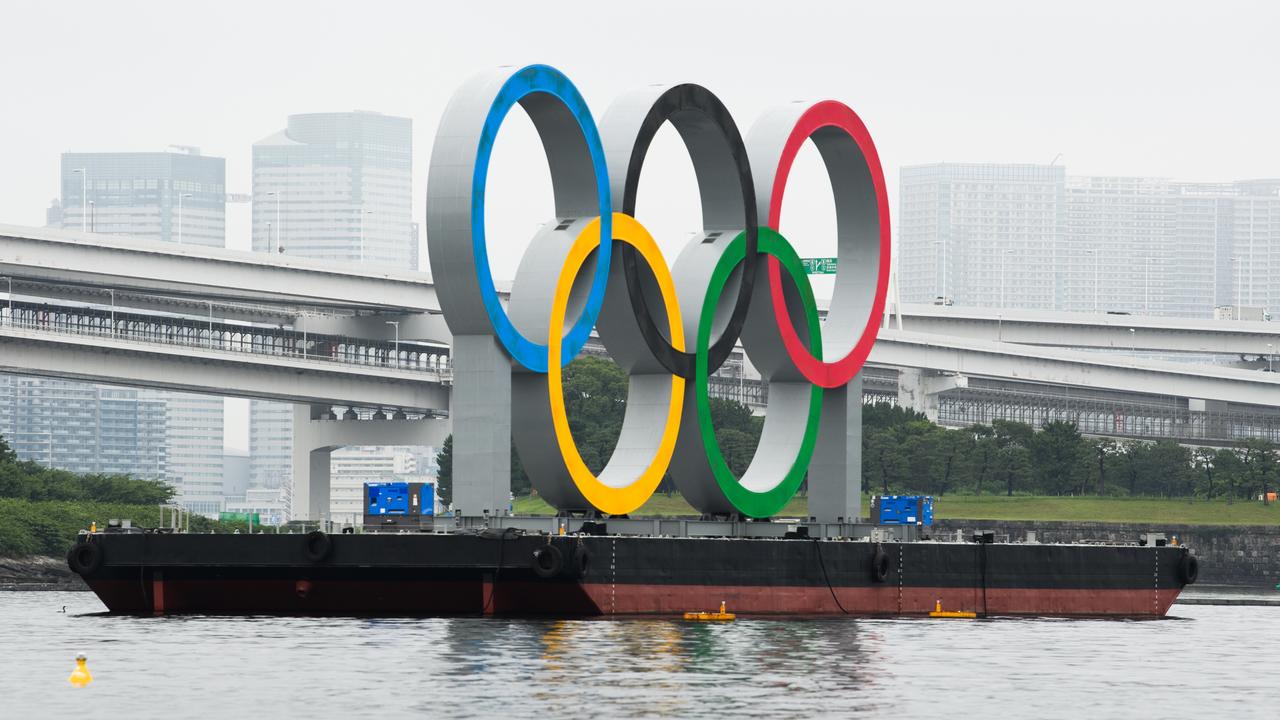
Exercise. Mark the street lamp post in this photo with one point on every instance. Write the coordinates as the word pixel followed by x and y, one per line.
pixel 93 225
pixel 1269 357
pixel 395 324
pixel 1133 345
pixel 276 195
pixel 181 197
pixel 83 174
pixel 1236 261
pixel 943 293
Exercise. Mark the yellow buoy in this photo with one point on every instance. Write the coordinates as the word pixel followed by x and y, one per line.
pixel 720 616
pixel 80 676
pixel 938 612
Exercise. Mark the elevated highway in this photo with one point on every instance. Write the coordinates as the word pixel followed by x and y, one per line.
pixel 214 357
pixel 1124 333
pixel 945 355
pixel 42 261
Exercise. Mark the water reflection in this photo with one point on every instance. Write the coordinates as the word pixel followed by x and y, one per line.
pixel 478 667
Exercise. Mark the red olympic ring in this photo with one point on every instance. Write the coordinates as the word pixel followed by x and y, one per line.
pixel 836 373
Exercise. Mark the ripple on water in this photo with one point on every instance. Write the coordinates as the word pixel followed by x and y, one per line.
pixel 1206 662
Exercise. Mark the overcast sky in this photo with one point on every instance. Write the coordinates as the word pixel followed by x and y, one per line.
pixel 1174 89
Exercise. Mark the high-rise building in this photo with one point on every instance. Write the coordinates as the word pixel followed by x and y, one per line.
pixel 1022 236
pixel 171 197
pixel 53 214
pixel 84 428
pixel 337 186
pixel 981 234
pixel 1123 251
pixel 235 474
pixel 270 444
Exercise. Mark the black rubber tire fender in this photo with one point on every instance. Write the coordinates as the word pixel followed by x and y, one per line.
pixel 879 565
pixel 548 562
pixel 1189 569
pixel 85 558
pixel 580 563
pixel 318 545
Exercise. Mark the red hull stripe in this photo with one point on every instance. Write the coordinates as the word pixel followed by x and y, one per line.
pixel 567 598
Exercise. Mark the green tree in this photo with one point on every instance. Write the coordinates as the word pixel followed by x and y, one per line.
pixel 1259 458
pixel 1103 450
pixel 881 415
pixel 1133 452
pixel 444 475
pixel 882 458
pixel 1168 469
pixel 1057 452
pixel 7 455
pixel 981 454
pixel 1013 465
pixel 1203 459
pixel 1013 433
pixel 595 400
pixel 737 447
pixel 1230 469
pixel 952 446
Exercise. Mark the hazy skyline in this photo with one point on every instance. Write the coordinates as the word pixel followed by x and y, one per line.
pixel 1178 90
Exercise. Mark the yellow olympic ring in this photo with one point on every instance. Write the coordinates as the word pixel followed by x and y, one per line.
pixel 614 496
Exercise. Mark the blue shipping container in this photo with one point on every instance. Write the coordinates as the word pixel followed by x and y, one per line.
pixel 902 510
pixel 400 498
pixel 387 498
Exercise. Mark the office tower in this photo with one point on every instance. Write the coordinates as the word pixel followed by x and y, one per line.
pixel 163 196
pixel 177 197
pixel 335 186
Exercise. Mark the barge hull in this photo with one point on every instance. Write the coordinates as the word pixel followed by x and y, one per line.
pixel 476 574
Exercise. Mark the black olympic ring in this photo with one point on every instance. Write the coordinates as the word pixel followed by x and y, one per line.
pixel 720 158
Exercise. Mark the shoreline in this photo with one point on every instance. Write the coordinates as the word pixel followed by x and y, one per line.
pixel 38 572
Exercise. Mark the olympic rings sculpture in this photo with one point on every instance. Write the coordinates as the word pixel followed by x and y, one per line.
pixel 595 267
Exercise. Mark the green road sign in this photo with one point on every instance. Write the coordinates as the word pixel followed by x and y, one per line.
pixel 819 266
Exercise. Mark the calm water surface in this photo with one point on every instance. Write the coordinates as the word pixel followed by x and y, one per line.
pixel 1208 661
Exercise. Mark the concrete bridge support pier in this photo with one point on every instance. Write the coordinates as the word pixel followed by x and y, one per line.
pixel 919 389
pixel 317 432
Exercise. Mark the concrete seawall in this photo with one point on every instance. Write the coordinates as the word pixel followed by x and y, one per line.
pixel 1247 555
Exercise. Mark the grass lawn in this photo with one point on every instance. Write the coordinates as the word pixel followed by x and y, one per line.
pixel 1020 507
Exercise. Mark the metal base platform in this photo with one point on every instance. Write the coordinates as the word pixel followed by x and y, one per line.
pixel 659 527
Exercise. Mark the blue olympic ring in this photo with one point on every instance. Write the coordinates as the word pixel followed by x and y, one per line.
pixel 548 80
